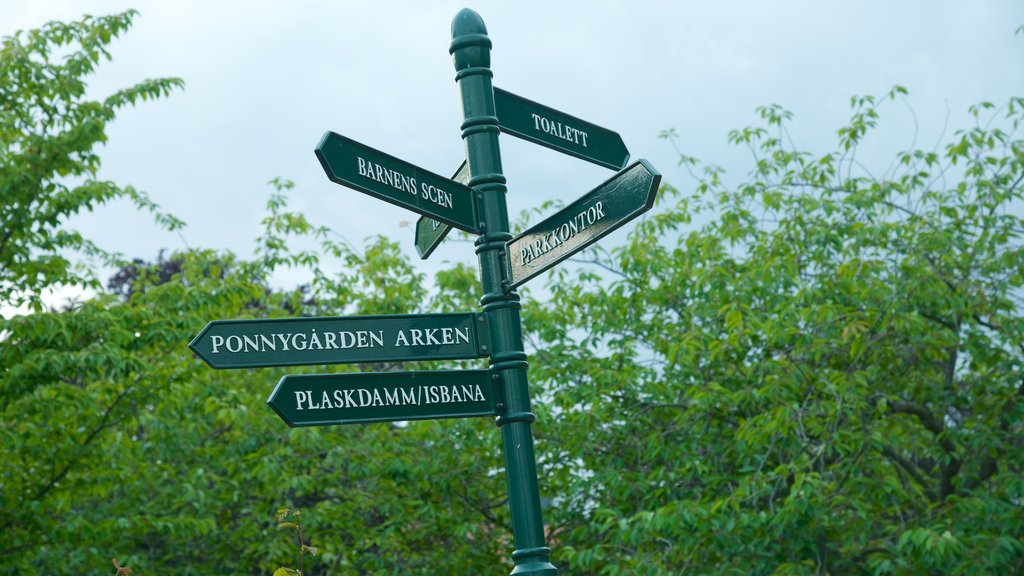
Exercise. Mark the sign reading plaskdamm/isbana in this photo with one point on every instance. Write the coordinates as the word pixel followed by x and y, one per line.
pixel 340 340
pixel 323 399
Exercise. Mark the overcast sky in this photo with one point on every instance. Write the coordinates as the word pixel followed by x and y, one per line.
pixel 266 79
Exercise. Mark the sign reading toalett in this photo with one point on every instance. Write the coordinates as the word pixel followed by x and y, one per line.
pixel 546 126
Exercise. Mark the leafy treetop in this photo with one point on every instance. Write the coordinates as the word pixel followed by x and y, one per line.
pixel 49 132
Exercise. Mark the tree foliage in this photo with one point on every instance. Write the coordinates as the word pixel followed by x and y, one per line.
pixel 825 379
pixel 49 132
pixel 816 371
pixel 123 444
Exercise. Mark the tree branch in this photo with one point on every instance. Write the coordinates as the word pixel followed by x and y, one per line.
pixel 990 463
pixel 32 544
pixel 924 415
pixel 595 262
pixel 911 470
pixel 944 323
pixel 932 423
pixel 103 425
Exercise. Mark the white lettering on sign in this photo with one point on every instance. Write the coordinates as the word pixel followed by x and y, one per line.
pixel 395 396
pixel 314 340
pixel 561 234
pixel 436 195
pixel 429 336
pixel 403 183
pixel 385 175
pixel 560 130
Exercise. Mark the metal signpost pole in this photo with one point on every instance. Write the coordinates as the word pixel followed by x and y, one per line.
pixel 471 51
pixel 473 200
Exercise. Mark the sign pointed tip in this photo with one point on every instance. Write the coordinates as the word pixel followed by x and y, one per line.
pixel 273 405
pixel 650 167
pixel 323 140
pixel 655 182
pixel 194 344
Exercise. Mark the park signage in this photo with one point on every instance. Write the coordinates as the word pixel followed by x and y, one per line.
pixel 430 232
pixel 341 340
pixel 505 262
pixel 546 126
pixel 387 178
pixel 325 399
pixel 590 218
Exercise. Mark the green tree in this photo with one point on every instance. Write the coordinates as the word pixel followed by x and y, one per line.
pixel 824 379
pixel 827 378
pixel 49 132
pixel 122 444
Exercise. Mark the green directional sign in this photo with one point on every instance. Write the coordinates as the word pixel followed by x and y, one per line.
pixel 539 124
pixel 340 340
pixel 323 399
pixel 430 232
pixel 382 176
pixel 620 199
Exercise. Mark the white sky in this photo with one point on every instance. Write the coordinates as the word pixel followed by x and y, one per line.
pixel 266 79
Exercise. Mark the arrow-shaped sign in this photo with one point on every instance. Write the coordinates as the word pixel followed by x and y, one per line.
pixel 430 232
pixel 382 176
pixel 539 124
pixel 622 198
pixel 341 340
pixel 323 399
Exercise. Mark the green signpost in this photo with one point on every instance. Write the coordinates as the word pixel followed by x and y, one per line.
pixel 474 201
pixel 322 399
pixel 590 218
pixel 430 232
pixel 546 126
pixel 341 340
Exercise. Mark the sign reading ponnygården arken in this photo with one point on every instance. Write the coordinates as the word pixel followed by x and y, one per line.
pixel 341 340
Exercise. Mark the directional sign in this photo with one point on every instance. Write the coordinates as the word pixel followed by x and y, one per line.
pixel 322 399
pixel 539 124
pixel 340 340
pixel 430 232
pixel 622 198
pixel 372 172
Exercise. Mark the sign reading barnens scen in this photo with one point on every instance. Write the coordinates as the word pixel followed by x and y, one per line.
pixel 398 182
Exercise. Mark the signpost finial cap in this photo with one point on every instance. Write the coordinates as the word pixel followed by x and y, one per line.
pixel 470 46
